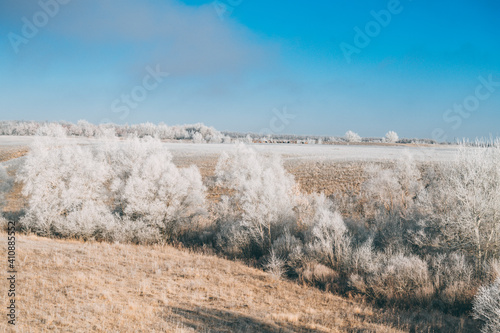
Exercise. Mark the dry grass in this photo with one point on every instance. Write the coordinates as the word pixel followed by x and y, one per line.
pixel 7 153
pixel 328 177
pixel 73 286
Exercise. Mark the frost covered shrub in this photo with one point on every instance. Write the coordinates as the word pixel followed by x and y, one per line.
pixel 397 278
pixel 262 195
pixel 391 137
pixel 363 258
pixel 329 239
pixel 85 129
pixel 394 189
pixel 275 265
pixel 127 191
pixel 6 183
pixel 350 136
pixel 443 215
pixel 465 203
pixel 453 278
pixel 198 138
pixel 487 307
pixel 65 186
pixel 290 248
pixel 151 189
pixel 319 275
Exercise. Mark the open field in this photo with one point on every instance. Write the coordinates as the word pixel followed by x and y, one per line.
pixel 329 152
pixel 317 168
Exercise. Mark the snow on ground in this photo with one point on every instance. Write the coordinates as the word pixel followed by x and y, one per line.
pixel 293 151
pixel 324 152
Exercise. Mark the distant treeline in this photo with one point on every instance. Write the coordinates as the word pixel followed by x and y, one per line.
pixel 314 139
pixel 200 133
pixel 196 132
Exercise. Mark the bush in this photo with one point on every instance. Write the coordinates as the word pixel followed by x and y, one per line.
pixel 275 265
pixel 153 190
pixel 487 307
pixel 98 191
pixel 397 278
pixel 465 203
pixel 262 195
pixel 391 137
pixel 415 234
pixel 66 189
pixel 6 183
pixel 350 136
pixel 329 240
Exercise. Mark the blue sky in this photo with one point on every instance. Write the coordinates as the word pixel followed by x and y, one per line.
pixel 422 68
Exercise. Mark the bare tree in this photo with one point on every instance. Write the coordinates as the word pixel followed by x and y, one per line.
pixel 487 307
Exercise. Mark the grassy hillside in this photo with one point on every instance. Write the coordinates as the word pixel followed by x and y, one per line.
pixel 75 286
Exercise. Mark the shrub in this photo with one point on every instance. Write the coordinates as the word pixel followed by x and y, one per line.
pixel 6 183
pixel 65 186
pixel 275 265
pixel 391 137
pixel 100 190
pixel 487 307
pixel 453 279
pixel 394 189
pixel 465 203
pixel 350 136
pixel 159 194
pixel 329 240
pixel 290 249
pixel 399 278
pixel 262 194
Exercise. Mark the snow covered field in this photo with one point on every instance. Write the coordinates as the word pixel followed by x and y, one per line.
pixel 293 152
pixel 324 152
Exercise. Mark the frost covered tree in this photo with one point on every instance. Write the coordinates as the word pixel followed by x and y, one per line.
pixel 198 138
pixel 151 189
pixel 6 183
pixel 396 188
pixel 262 192
pixel 391 137
pixel 487 307
pixel 65 186
pixel 350 136
pixel 103 189
pixel 466 202
pixel 329 236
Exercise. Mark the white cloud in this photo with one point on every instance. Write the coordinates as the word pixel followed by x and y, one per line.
pixel 182 39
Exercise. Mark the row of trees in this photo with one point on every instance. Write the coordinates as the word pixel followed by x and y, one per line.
pixel 199 133
pixel 426 235
pixel 390 137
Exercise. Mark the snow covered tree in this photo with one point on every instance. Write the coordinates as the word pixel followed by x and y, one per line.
pixel 151 189
pixel 466 202
pixel 262 192
pixel 391 137
pixel 65 186
pixel 350 136
pixel 487 307
pixel 329 237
